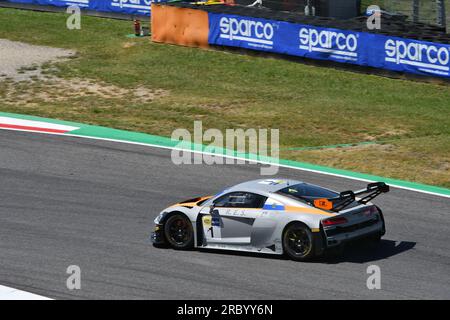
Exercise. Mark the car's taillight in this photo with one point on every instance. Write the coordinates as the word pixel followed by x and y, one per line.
pixel 333 221
pixel 371 211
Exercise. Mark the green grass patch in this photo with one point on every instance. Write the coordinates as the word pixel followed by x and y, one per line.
pixel 312 106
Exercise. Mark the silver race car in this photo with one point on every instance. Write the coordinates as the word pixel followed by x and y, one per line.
pixel 273 216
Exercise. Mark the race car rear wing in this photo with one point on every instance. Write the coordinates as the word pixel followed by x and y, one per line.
pixel 346 198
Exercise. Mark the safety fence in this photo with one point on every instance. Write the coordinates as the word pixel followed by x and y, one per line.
pixel 434 12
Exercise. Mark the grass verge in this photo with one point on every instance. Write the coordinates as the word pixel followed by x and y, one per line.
pixel 133 84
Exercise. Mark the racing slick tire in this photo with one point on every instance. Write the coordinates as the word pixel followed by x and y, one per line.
pixel 298 242
pixel 178 232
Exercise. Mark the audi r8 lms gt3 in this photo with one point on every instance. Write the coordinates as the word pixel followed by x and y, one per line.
pixel 273 216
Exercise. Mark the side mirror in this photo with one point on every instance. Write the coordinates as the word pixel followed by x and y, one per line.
pixel 211 208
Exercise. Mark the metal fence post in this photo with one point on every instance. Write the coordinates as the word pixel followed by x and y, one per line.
pixel 416 9
pixel 441 20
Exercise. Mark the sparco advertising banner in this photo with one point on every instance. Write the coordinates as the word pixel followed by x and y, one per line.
pixel 138 7
pixel 360 48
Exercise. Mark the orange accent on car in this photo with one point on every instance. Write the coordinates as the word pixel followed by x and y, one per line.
pixel 307 210
pixel 191 204
pixel 323 204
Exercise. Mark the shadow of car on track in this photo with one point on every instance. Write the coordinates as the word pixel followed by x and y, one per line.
pixel 230 253
pixel 356 252
pixel 363 252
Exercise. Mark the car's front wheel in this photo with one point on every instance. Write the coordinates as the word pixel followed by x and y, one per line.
pixel 298 242
pixel 178 232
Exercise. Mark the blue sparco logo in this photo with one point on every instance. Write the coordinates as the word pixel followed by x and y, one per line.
pixel 427 57
pixel 338 44
pixel 246 30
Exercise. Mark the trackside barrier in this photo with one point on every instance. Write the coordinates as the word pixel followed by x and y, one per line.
pixel 181 26
pixel 360 48
pixel 344 46
pixel 137 7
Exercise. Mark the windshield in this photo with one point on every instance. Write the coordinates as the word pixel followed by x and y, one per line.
pixel 307 192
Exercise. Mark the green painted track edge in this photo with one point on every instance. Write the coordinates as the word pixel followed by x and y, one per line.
pixel 92 131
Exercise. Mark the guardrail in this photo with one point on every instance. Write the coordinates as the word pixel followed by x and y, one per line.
pixel 221 27
pixel 345 46
pixel 129 7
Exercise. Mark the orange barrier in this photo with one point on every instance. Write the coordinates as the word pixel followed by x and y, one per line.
pixel 182 26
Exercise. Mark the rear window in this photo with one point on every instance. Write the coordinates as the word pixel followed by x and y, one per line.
pixel 307 192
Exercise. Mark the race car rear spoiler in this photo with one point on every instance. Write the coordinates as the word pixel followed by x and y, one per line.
pixel 346 198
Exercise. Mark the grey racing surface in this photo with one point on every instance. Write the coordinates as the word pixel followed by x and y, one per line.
pixel 73 201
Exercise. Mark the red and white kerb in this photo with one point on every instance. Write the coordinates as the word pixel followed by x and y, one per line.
pixel 34 126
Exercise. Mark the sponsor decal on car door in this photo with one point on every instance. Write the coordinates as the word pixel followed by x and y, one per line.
pixel 211 225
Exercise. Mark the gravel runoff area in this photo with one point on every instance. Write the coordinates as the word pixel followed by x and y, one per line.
pixel 16 56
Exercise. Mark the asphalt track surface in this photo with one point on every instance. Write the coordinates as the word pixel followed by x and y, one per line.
pixel 73 201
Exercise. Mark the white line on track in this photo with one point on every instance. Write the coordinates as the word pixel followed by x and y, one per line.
pixel 240 158
pixel 7 293
pixel 32 125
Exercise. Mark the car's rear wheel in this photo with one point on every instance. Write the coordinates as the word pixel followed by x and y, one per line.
pixel 178 232
pixel 298 242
